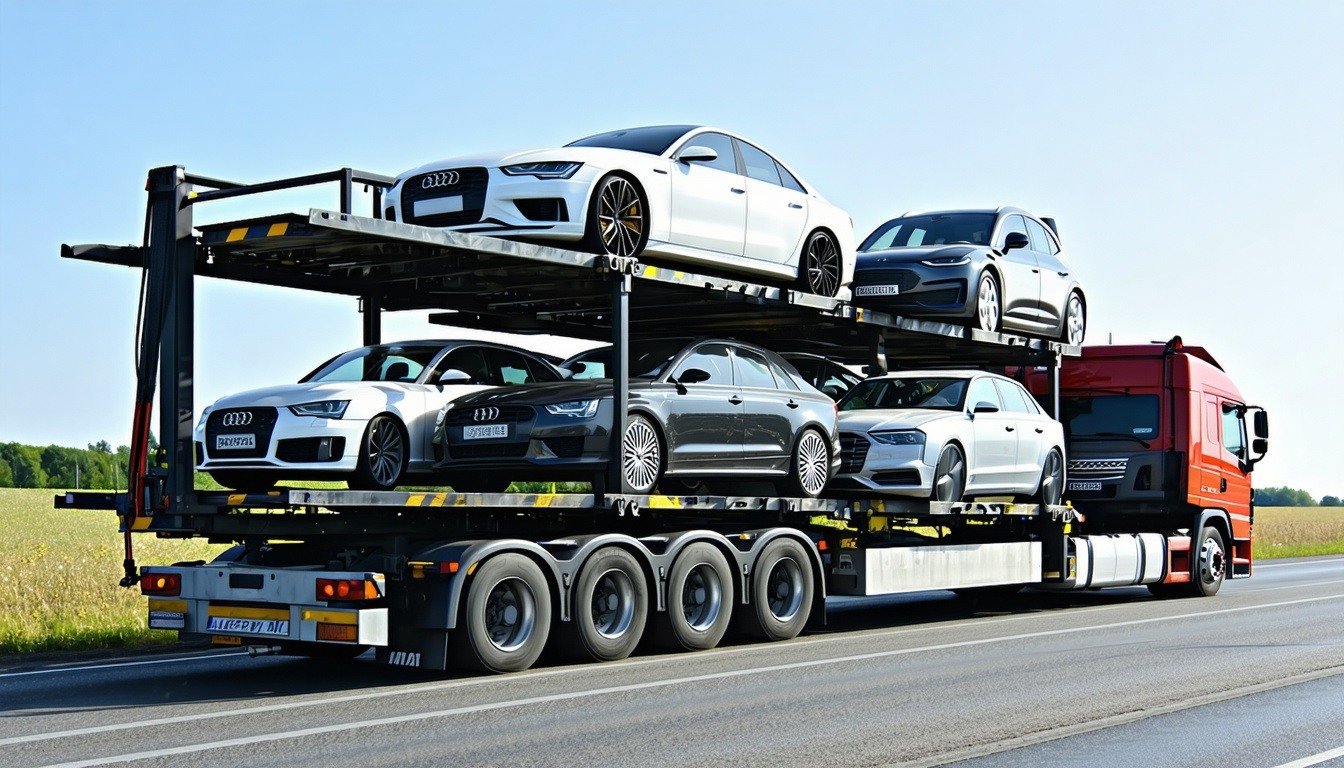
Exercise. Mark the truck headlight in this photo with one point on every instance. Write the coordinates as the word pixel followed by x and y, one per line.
pixel 579 409
pixel 322 409
pixel 898 437
pixel 542 170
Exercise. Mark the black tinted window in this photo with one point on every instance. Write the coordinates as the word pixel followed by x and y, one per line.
pixel 381 363
pixel 937 393
pixel 752 370
pixel 655 140
pixel 469 360
pixel 1113 415
pixel 759 165
pixel 540 371
pixel 726 161
pixel 932 229
pixel 788 179
pixel 508 367
pixel 712 359
pixel 1039 240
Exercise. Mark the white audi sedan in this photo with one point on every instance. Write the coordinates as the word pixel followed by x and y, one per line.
pixel 366 416
pixel 949 435
pixel 687 194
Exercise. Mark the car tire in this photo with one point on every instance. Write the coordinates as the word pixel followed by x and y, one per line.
pixel 1073 328
pixel 820 265
pixel 643 456
pixel 988 303
pixel 610 607
pixel 618 218
pixel 249 481
pixel 699 600
pixel 506 617
pixel 782 591
pixel 949 475
pixel 809 467
pixel 384 452
pixel 1050 489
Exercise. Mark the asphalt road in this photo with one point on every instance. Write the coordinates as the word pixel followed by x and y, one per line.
pixel 1253 677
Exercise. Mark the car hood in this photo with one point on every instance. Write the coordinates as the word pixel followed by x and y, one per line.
pixel 541 394
pixel 914 253
pixel 294 394
pixel 600 157
pixel 891 418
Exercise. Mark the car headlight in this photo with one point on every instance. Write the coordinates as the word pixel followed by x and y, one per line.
pixel 542 170
pixel 441 415
pixel 579 409
pixel 899 437
pixel 323 409
pixel 947 261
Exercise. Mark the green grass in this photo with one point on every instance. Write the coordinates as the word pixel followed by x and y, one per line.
pixel 1297 532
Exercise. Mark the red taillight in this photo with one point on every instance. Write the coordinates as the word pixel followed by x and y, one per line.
pixel 152 583
pixel 347 589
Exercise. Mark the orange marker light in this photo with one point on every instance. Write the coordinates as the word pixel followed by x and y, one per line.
pixel 153 583
pixel 347 589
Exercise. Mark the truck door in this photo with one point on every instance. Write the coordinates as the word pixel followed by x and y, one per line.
pixel 1234 480
pixel 1212 482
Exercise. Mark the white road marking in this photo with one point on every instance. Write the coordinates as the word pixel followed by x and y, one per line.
pixel 1300 565
pixel 112 665
pixel 653 684
pixel 1315 759
pixel 1297 586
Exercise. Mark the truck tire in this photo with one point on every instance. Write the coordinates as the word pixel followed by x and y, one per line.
pixel 782 591
pixel 610 607
pixel 1208 568
pixel 699 600
pixel 506 618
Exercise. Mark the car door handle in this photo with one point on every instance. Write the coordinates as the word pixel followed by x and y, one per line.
pixel 1040 431
pixel 795 205
pixel 1010 429
pixel 739 191
pixel 1062 274
pixel 735 400
pixel 792 404
pixel 1034 271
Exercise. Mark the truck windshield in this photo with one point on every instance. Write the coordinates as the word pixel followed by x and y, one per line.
pixel 1111 416
pixel 384 363
pixel 940 393
pixel 932 229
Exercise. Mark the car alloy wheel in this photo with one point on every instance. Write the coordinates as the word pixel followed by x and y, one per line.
pixel 620 217
pixel 813 463
pixel 949 479
pixel 1075 320
pixel 1052 479
pixel 641 455
pixel 988 306
pixel 821 264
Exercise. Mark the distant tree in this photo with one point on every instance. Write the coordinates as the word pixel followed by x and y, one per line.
pixel 1331 501
pixel 102 446
pixel 6 475
pixel 1283 496
pixel 25 463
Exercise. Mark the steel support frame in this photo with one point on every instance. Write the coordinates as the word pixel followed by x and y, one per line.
pixel 621 284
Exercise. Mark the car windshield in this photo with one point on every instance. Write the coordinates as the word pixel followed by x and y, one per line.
pixel 932 229
pixel 938 393
pixel 653 141
pixel 1111 416
pixel 391 362
pixel 647 360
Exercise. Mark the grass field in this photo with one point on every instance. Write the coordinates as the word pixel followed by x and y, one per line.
pixel 60 569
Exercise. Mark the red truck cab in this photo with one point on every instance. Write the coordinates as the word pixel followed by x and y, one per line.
pixel 1160 438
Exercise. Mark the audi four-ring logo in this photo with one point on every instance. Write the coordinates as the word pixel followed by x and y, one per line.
pixel 486 414
pixel 236 419
pixel 440 179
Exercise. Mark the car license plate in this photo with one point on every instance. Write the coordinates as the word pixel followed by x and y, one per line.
pixel 484 431
pixel 877 290
pixel 235 442
pixel 438 205
pixel 1084 486
pixel 279 627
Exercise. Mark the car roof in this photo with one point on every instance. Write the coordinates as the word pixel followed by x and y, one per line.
pixel 957 373
pixel 999 210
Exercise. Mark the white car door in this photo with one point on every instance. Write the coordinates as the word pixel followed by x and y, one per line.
pixel 993 457
pixel 1030 435
pixel 709 199
pixel 776 213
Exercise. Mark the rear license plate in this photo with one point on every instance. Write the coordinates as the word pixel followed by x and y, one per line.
pixel 877 290
pixel 235 442
pixel 1082 486
pixel 484 431
pixel 438 205
pixel 248 626
pixel 167 620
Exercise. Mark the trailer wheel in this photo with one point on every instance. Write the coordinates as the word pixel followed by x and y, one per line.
pixel 782 590
pixel 507 616
pixel 611 606
pixel 244 480
pixel 1208 569
pixel 699 599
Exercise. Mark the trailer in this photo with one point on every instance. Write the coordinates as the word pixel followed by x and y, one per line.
pixel 437 579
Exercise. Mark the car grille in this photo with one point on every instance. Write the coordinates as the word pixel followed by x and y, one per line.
pixel 262 424
pixel 853 453
pixel 566 447
pixel 1098 469
pixel 471 186
pixel 507 413
pixel 902 278
pixel 487 451
pixel 307 450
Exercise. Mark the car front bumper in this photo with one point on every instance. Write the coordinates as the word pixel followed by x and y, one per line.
pixel 920 290
pixel 510 199
pixel 542 446
pixel 896 470
pixel 300 443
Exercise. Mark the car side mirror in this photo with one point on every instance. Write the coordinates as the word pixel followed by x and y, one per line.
pixel 693 376
pixel 578 367
pixel 1014 241
pixel 454 376
pixel 984 407
pixel 697 154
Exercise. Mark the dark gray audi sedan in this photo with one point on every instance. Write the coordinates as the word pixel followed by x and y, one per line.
pixel 711 410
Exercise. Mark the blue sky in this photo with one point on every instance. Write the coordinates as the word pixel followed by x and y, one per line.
pixel 1193 154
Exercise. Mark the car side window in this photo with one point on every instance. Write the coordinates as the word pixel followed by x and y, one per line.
pixel 782 378
pixel 1233 439
pixel 1013 398
pixel 983 391
pixel 1013 223
pixel 401 369
pixel 469 360
pixel 712 359
pixel 540 371
pixel 788 179
pixel 759 165
pixel 751 370
pixel 508 367
pixel 1040 241
pixel 726 161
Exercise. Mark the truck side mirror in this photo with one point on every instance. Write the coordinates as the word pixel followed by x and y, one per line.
pixel 1257 424
pixel 1260 422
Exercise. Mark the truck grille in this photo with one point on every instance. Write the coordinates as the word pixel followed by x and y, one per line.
pixel 260 422
pixel 507 414
pixel 1098 469
pixel 853 453
pixel 903 278
pixel 470 184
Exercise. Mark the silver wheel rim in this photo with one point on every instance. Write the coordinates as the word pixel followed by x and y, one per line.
pixel 613 603
pixel 701 597
pixel 387 451
pixel 987 304
pixel 1077 320
pixel 823 265
pixel 951 476
pixel 784 589
pixel 641 455
pixel 813 459
pixel 1052 480
pixel 620 217
pixel 1212 561
pixel 510 614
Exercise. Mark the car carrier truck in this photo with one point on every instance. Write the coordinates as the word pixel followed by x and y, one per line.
pixel 437 579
